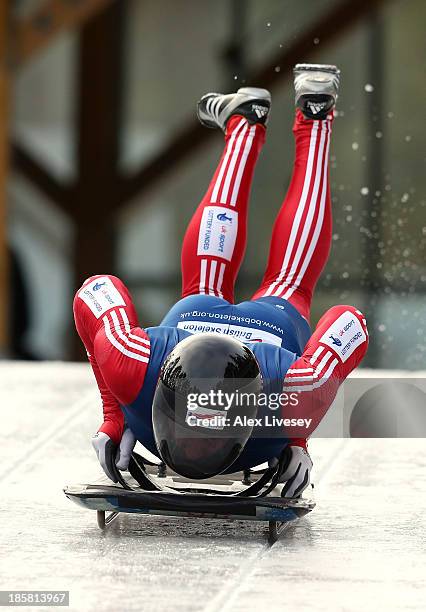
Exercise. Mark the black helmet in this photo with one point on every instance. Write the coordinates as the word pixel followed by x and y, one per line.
pixel 199 424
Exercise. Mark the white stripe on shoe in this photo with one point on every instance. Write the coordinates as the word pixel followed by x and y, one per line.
pixel 225 159
pixel 313 209
pixel 215 108
pixel 242 165
pixel 300 208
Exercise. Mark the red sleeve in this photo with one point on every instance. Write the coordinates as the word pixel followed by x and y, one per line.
pixel 117 348
pixel 336 347
pixel 299 442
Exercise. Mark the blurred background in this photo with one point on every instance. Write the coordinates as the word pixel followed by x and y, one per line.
pixel 102 161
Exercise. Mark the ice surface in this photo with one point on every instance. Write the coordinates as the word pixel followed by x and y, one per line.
pixel 363 547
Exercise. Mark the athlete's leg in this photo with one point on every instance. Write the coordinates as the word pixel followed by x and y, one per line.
pixel 214 243
pixel 301 237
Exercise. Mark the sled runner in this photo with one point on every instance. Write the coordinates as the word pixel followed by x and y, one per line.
pixel 254 498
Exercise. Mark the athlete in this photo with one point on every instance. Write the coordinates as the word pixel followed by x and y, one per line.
pixel 265 342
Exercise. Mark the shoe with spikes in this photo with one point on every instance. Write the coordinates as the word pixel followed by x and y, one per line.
pixel 214 110
pixel 316 87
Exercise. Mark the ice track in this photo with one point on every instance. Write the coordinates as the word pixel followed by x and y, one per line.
pixel 363 547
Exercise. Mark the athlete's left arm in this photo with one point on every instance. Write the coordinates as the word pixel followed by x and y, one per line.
pixel 337 346
pixel 335 349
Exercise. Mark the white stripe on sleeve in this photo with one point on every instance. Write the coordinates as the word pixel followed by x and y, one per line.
pixel 124 338
pixel 119 346
pixel 127 328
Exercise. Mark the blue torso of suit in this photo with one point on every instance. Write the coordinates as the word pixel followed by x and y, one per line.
pixel 271 327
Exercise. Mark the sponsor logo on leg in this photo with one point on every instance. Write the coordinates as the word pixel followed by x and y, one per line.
pixel 218 232
pixel 345 335
pixel 101 296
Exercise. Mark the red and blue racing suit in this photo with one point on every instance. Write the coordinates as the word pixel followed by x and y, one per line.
pixel 126 358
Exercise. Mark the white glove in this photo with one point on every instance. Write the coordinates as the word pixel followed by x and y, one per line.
pixel 298 473
pixel 125 449
pixel 109 453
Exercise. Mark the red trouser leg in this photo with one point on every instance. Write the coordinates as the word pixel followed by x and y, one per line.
pixel 215 241
pixel 301 237
pixel 336 347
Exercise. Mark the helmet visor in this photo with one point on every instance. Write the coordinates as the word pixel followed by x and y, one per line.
pixel 200 442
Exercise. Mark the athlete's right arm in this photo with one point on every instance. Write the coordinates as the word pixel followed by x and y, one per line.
pixel 118 350
pixel 336 347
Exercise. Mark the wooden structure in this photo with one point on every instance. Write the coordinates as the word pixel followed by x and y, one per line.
pixel 4 164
